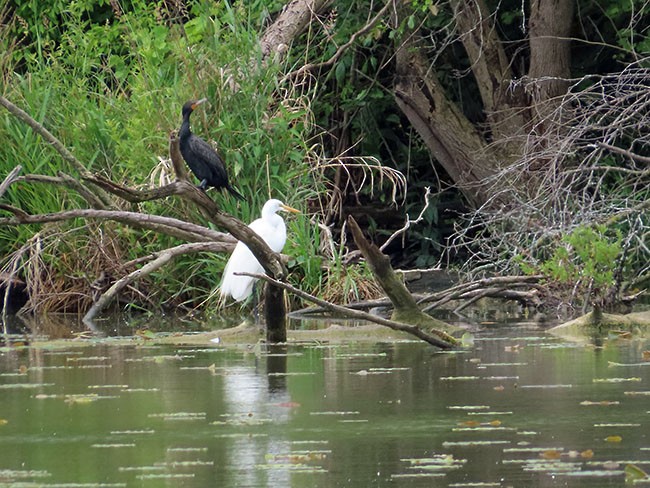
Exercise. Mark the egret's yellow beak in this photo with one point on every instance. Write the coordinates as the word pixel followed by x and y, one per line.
pixel 287 208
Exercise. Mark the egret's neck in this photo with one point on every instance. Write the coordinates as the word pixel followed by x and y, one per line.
pixel 272 218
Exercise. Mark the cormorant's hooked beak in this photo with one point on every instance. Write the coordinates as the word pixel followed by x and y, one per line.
pixel 287 208
pixel 199 102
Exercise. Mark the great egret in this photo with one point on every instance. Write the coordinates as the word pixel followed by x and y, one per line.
pixel 203 160
pixel 271 228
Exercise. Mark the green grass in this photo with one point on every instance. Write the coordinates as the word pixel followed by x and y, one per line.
pixel 111 93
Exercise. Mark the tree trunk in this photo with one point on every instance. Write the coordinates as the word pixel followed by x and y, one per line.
pixel 293 19
pixel 405 309
pixel 275 314
pixel 505 105
pixel 550 55
pixel 448 134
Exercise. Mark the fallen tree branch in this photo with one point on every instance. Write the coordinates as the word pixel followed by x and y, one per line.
pixel 166 225
pixel 405 308
pixel 159 260
pixel 465 290
pixel 438 338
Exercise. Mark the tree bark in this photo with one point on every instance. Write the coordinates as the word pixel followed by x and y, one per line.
pixel 450 137
pixel 293 19
pixel 550 55
pixel 502 102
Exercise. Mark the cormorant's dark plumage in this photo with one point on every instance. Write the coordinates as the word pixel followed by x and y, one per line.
pixel 203 160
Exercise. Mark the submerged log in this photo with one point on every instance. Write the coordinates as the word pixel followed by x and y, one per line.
pixel 598 324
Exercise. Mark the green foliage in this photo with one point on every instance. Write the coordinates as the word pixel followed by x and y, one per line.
pixel 585 259
pixel 110 85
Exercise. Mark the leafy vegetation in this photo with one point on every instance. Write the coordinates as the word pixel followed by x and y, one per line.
pixel 108 79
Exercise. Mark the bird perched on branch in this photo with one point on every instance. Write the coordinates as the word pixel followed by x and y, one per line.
pixel 203 160
pixel 272 229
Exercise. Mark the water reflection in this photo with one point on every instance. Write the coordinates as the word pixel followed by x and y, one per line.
pixel 520 409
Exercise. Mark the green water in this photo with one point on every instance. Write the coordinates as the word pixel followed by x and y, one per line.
pixel 520 409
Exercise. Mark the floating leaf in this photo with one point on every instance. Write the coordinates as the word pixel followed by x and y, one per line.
pixel 551 454
pixel 180 415
pixel 468 407
pixel 587 454
pixel 620 424
pixel 470 423
pixel 288 404
pixel 3 422
pixel 613 438
pixel 334 413
pixel 459 378
pixel 616 380
pixel 633 472
pixel 112 446
pixel 473 443
pixel 81 399
pixel 10 386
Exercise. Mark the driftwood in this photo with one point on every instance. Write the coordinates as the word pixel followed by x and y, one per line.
pixel 467 294
pixel 495 287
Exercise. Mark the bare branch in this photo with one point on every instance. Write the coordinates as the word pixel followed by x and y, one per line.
pixel 160 259
pixel 49 137
pixel 409 222
pixel 10 178
pixel 629 154
pixel 342 48
pixel 166 225
pixel 434 340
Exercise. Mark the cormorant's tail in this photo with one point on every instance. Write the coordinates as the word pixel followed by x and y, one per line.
pixel 235 193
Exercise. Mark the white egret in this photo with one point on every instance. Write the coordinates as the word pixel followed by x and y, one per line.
pixel 271 228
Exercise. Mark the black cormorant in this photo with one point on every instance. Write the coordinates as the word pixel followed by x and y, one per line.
pixel 203 160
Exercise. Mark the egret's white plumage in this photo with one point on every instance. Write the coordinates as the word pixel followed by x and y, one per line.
pixel 271 228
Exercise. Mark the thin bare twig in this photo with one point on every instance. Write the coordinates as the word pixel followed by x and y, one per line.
pixel 343 47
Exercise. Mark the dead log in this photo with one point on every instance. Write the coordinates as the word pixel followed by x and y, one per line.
pixel 405 309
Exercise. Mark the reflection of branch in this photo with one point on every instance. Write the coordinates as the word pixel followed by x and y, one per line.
pixel 357 314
